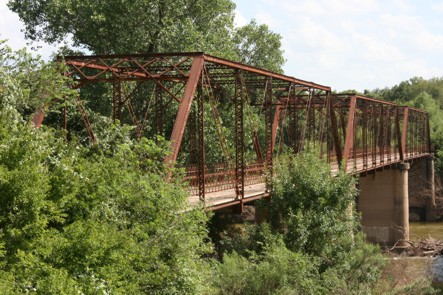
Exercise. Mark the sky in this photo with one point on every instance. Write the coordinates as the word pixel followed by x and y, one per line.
pixel 345 44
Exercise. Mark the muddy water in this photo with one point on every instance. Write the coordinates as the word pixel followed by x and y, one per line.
pixel 418 230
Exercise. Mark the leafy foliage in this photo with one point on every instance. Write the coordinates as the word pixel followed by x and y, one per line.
pixel 256 45
pixel 109 27
pixel 275 271
pixel 312 205
pixel 27 82
pixel 312 247
pixel 82 219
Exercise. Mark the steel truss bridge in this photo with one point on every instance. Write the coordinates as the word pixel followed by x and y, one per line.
pixel 227 122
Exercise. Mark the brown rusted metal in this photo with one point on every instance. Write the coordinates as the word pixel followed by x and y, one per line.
pixel 85 119
pixel 159 112
pixel 184 108
pixel 349 141
pixel 349 128
pixel 404 133
pixel 274 128
pixel 38 117
pixel 201 141
pixel 268 131
pixel 239 137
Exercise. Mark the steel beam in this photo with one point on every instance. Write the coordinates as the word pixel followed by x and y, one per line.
pixel 184 108
pixel 275 123
pixel 262 72
pixel 349 141
pixel 404 133
pixel 38 117
pixel 334 126
pixel 239 139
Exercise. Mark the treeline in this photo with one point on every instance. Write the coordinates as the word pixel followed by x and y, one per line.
pixel 423 94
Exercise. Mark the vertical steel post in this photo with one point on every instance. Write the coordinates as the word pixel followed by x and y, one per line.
pixel 117 101
pixel 382 133
pixel 192 138
pixel 428 135
pixel 239 138
pixel 334 126
pixel 275 123
pixel 388 132
pixel 349 141
pixel 269 133
pixel 201 141
pixel 365 133
pixel 404 133
pixel 374 135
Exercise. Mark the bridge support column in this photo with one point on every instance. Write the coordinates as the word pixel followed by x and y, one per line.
pixel 384 205
pixel 422 190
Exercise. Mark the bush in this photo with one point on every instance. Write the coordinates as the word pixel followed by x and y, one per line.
pixel 312 247
pixel 312 207
pixel 74 219
pixel 276 271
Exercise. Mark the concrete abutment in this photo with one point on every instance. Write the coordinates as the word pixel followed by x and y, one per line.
pixel 387 197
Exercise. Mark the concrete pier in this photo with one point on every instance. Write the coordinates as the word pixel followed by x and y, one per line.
pixel 384 205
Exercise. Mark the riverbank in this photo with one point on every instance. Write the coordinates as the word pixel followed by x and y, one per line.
pixel 420 263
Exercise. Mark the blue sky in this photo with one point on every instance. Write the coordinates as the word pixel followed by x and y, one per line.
pixel 345 44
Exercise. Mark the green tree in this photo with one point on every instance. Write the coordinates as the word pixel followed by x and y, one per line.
pixel 80 218
pixel 315 214
pixel 256 46
pixel 27 82
pixel 115 26
pixel 311 205
pixel 313 246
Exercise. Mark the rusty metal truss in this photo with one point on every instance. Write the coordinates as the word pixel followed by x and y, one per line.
pixel 235 118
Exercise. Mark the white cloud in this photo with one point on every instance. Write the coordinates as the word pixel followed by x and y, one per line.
pixel 11 29
pixel 402 23
pixel 371 49
pixel 356 44
pixel 402 5
pixel 428 41
pixel 328 7
pixel 239 19
pixel 438 7
pixel 412 32
pixel 349 6
pixel 268 19
pixel 317 36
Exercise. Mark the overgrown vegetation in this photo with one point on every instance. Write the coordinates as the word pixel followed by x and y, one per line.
pixel 109 27
pixel 311 246
pixel 77 218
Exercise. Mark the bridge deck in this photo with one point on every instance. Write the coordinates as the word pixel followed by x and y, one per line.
pixel 226 198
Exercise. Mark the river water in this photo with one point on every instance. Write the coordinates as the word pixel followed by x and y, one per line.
pixel 418 230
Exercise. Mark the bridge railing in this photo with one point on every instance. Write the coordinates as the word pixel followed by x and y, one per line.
pixel 221 177
pixel 378 133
